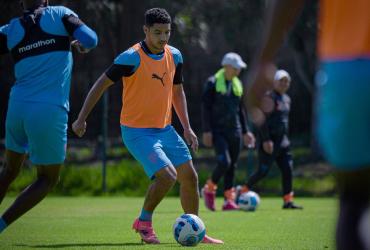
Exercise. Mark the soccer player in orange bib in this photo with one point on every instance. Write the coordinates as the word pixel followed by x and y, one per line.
pixel 152 77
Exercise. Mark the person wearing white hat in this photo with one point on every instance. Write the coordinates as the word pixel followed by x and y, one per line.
pixel 275 145
pixel 224 127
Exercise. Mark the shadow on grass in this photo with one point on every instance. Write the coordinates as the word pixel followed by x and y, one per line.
pixel 87 245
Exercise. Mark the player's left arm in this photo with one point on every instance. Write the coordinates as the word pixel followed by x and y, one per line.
pixel 86 38
pixel 180 105
pixel 179 100
pixel 3 40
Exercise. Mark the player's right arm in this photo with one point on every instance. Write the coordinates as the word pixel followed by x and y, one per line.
pixel 3 40
pixel 124 65
pixel 279 17
pixel 95 93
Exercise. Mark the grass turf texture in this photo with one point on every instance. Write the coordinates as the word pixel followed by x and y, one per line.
pixel 105 223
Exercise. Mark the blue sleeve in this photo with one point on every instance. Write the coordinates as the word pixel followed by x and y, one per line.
pixel 176 56
pixel 86 36
pixel 53 20
pixel 4 29
pixel 3 40
pixel 178 78
pixel 124 65
pixel 76 28
pixel 63 11
pixel 129 57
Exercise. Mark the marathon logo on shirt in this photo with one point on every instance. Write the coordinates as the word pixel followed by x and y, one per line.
pixel 36 45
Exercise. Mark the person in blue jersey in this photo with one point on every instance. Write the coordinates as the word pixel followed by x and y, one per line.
pixel 151 72
pixel 36 123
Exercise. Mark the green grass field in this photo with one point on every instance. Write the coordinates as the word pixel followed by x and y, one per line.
pixel 105 223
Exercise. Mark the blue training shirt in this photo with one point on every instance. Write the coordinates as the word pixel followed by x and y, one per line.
pixel 40 45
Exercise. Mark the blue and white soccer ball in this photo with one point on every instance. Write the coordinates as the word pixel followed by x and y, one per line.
pixel 249 201
pixel 189 230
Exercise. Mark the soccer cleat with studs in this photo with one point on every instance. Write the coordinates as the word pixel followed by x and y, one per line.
pixel 145 229
pixel 291 205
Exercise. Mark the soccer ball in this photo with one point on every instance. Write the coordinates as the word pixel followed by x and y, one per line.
pixel 249 201
pixel 189 230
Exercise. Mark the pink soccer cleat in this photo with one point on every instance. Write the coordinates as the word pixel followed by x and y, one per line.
pixel 145 229
pixel 230 205
pixel 209 240
pixel 209 195
pixel 209 199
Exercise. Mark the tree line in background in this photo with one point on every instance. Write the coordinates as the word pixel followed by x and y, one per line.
pixel 203 30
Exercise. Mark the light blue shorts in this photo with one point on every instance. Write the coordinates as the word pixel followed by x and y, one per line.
pixel 155 148
pixel 343 113
pixel 39 129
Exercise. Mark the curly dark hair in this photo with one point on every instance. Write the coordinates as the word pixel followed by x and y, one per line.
pixel 25 4
pixel 156 15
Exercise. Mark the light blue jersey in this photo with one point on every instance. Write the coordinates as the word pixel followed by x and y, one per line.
pixel 39 43
pixel 132 57
pixel 43 63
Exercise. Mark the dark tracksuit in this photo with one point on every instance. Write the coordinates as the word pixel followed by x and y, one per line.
pixel 222 114
pixel 275 129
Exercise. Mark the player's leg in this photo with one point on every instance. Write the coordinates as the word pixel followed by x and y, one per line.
pixel 15 144
pixel 223 163
pixel 284 161
pixel 47 178
pixel 179 154
pixel 354 198
pixel 47 149
pixel 11 169
pixel 147 148
pixel 163 181
pixel 265 162
pixel 344 139
pixel 235 144
pixel 189 193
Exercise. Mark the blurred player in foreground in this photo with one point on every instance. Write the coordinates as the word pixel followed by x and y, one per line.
pixel 342 104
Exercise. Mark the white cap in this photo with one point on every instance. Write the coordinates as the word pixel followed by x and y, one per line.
pixel 234 60
pixel 280 74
